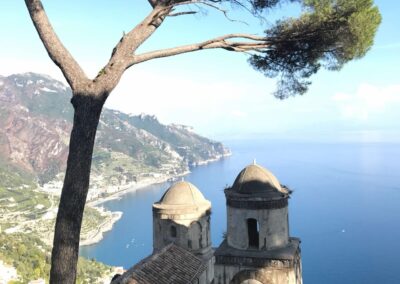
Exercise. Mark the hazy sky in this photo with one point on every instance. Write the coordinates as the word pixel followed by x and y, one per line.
pixel 216 92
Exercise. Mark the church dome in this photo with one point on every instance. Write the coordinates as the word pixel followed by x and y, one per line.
pixel 256 179
pixel 183 193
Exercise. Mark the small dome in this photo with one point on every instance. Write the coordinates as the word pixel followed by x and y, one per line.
pixel 183 193
pixel 256 179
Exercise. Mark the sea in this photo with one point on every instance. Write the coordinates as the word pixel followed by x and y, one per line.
pixel 345 207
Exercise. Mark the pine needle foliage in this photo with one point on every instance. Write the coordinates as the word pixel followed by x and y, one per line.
pixel 328 34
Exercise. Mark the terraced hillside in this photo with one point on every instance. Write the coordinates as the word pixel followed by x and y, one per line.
pixel 35 122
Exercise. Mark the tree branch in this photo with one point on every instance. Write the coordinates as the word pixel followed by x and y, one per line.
pixel 122 53
pixel 255 43
pixel 210 3
pixel 73 73
pixel 182 13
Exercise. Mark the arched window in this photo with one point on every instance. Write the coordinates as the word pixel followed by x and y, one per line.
pixel 196 234
pixel 173 231
pixel 253 232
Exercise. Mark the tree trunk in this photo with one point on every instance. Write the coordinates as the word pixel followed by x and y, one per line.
pixel 76 184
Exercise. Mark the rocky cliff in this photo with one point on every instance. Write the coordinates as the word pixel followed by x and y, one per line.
pixel 36 119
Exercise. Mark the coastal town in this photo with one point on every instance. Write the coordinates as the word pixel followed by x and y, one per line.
pixel 31 208
pixel 131 152
pixel 34 212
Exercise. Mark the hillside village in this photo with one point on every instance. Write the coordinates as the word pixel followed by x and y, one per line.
pixel 131 151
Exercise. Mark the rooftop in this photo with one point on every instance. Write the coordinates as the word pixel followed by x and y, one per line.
pixel 255 179
pixel 171 265
pixel 181 195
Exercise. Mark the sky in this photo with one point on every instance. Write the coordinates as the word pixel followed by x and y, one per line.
pixel 216 91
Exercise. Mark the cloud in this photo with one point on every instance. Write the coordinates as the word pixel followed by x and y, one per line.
pixel 367 100
pixel 155 92
pixel 207 104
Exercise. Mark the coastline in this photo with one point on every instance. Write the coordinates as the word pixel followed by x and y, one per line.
pixel 97 236
pixel 215 159
pixel 132 187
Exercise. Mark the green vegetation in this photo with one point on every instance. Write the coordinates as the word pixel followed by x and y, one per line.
pixel 22 209
pixel 89 271
pixel 48 175
pixel 46 101
pixel 28 254
pixel 329 33
pixel 128 149
pixel 23 200
pixel 31 257
pixel 92 218
pixel 12 177
pixel 192 147
pixel 115 167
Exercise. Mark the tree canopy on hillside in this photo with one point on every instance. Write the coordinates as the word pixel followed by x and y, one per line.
pixel 327 34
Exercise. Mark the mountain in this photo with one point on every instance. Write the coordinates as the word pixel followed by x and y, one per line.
pixel 36 120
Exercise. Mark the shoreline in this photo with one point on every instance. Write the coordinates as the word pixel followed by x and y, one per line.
pixel 116 215
pixel 132 187
pixel 103 228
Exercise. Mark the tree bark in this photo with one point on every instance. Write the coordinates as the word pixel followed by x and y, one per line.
pixel 76 184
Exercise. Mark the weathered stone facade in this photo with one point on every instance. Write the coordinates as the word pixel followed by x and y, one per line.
pixel 257 249
pixel 275 266
pixel 182 217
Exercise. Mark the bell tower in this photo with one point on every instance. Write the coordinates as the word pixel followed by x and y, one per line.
pixel 257 245
pixel 182 217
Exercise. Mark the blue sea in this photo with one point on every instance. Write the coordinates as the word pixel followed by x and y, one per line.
pixel 345 207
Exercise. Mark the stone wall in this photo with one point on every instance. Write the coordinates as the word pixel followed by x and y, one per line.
pixel 273 227
pixel 191 233
pixel 277 272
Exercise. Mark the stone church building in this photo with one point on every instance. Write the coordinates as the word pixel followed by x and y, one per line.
pixel 257 248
